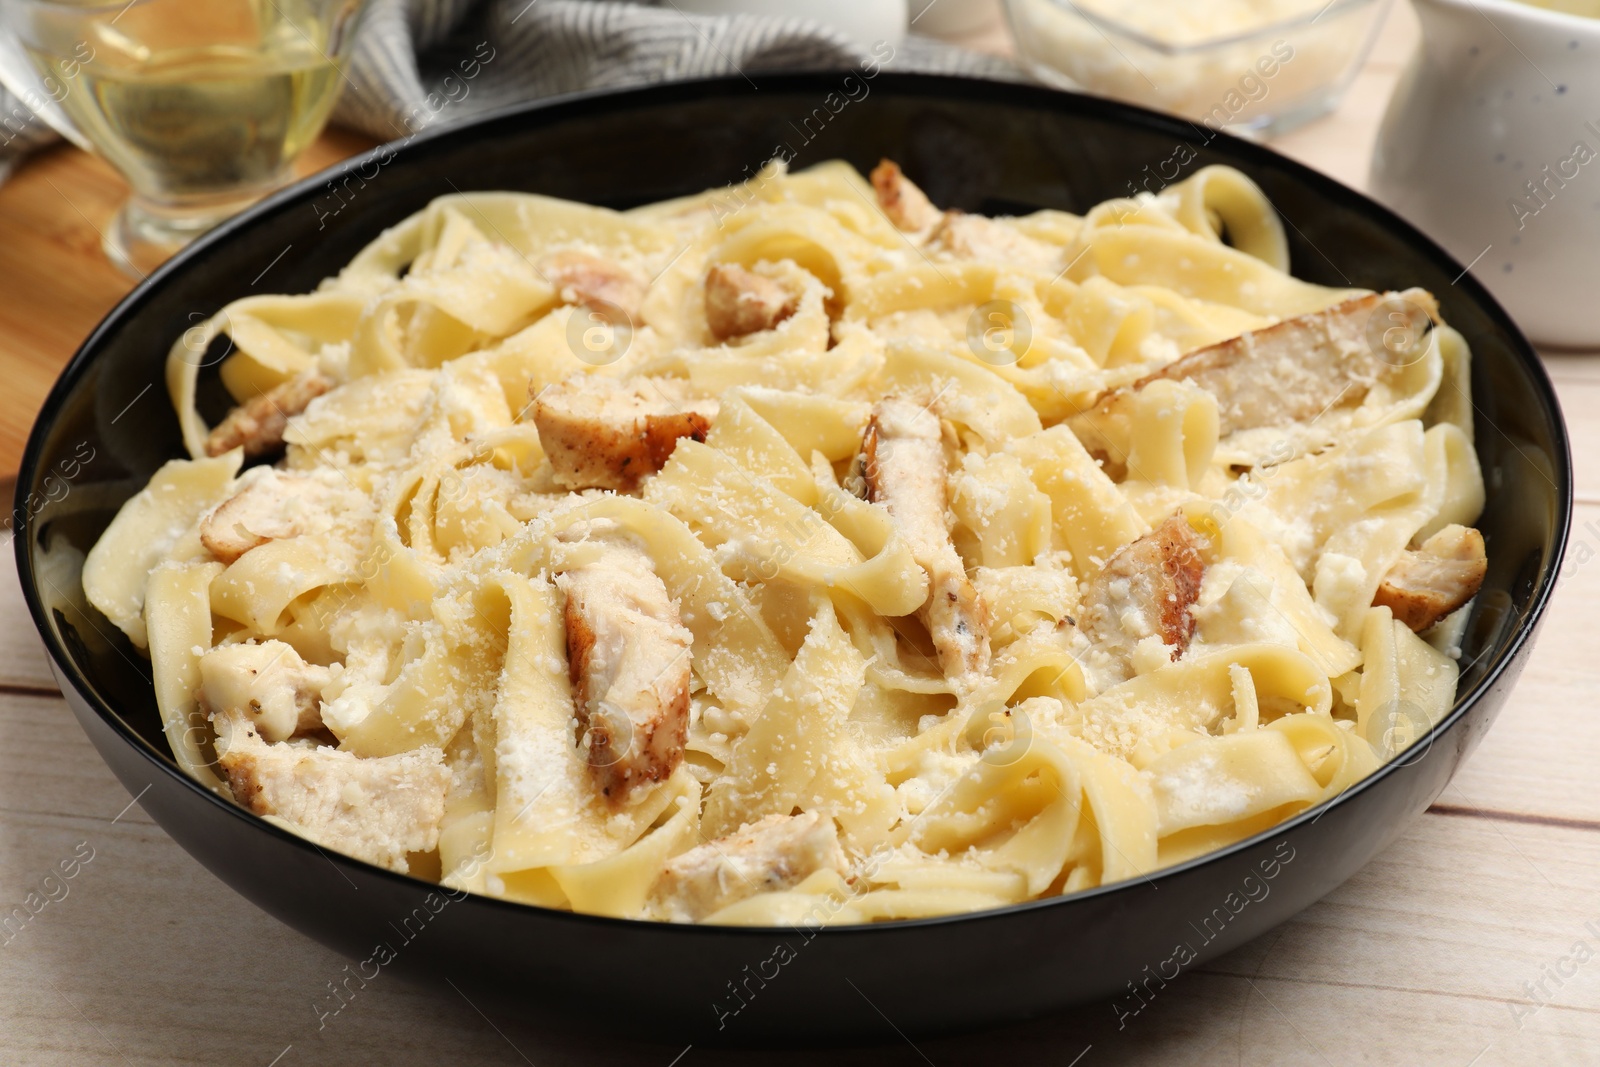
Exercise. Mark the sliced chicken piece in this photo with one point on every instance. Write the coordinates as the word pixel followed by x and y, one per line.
pixel 1435 579
pixel 269 506
pixel 903 468
pixel 1295 370
pixel 268 683
pixel 777 852
pixel 907 206
pixel 628 657
pixel 1146 589
pixel 593 282
pixel 972 237
pixel 376 809
pixel 987 240
pixel 259 422
pixel 603 434
pixel 740 302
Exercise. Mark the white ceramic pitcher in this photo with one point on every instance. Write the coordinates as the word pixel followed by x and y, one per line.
pixel 1491 145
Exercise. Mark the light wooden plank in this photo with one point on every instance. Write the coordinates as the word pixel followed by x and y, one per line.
pixel 1580 404
pixel 1572 366
pixel 23 663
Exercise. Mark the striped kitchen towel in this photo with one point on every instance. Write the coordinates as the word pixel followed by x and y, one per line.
pixel 419 63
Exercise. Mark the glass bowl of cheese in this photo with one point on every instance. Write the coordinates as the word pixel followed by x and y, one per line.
pixel 1253 66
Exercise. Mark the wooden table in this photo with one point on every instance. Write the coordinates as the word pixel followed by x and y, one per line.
pixel 1466 943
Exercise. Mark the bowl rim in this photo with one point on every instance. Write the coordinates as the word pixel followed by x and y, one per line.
pixel 733 87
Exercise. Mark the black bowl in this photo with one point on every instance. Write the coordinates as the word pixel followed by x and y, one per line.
pixel 981 146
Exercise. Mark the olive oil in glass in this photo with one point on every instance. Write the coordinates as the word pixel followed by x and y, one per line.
pixel 202 106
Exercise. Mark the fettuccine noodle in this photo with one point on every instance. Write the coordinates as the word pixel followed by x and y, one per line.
pixel 829 559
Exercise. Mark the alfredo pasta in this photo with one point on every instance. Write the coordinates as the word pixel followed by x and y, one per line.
pixel 823 558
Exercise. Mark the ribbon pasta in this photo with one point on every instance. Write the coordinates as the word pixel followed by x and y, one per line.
pixel 1170 628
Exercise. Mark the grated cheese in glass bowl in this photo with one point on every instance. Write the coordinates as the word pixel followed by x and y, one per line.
pixel 1253 66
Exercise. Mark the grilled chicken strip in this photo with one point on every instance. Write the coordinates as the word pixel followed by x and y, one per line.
pixel 1435 579
pixel 259 422
pixel 270 505
pixel 628 657
pixel 740 302
pixel 1146 589
pixel 775 853
pixel 601 434
pixel 375 809
pixel 907 206
pixel 593 282
pixel 903 466
pixel 268 683
pixel 1296 369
